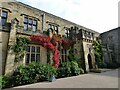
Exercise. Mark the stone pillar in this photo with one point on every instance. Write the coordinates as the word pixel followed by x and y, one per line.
pixel 11 54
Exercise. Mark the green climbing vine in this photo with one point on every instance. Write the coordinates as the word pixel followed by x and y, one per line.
pixel 98 52
pixel 20 47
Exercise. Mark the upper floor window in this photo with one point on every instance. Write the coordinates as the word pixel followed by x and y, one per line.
pixel 4 17
pixel 30 24
pixel 56 29
pixel 53 27
pixel 67 32
pixel 33 54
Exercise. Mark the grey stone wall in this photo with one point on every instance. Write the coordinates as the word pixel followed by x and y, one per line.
pixel 18 11
pixel 111 44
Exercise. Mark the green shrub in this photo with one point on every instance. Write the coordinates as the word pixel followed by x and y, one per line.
pixel 64 70
pixel 67 69
pixel 0 82
pixel 74 68
pixel 32 73
pixel 4 82
pixel 102 65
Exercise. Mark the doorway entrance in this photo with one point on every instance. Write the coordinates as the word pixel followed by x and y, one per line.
pixel 90 61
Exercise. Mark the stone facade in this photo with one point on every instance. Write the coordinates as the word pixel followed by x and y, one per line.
pixel 111 45
pixel 17 12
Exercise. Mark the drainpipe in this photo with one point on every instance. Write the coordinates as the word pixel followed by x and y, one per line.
pixel 43 17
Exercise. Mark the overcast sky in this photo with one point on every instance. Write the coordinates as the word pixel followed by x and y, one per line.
pixel 98 15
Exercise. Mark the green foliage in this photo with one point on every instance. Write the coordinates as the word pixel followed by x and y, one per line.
pixel 98 52
pixel 71 56
pixel 0 82
pixel 82 71
pixel 67 69
pixel 27 74
pixel 64 70
pixel 74 68
pixel 4 82
pixel 20 47
pixel 32 73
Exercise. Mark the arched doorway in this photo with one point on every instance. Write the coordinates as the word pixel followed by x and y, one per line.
pixel 90 61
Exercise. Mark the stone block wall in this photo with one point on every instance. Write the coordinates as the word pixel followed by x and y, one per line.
pixel 18 11
pixel 111 44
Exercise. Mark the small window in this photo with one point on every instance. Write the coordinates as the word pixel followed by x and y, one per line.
pixel 4 17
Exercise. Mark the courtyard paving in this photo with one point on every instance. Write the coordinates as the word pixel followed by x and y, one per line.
pixel 108 79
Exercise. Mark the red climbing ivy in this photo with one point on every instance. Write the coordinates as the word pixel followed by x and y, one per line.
pixel 52 43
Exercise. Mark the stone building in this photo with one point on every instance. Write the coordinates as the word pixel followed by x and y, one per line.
pixel 18 19
pixel 111 45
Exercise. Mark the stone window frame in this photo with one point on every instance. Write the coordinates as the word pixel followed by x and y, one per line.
pixel 63 55
pixel 30 25
pixel 4 10
pixel 35 52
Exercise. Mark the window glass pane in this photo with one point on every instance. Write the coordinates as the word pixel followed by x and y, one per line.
pixel 3 21
pixel 4 14
pixel 34 28
pixel 49 26
pixel 27 58
pixel 28 49
pixel 56 28
pixel 37 57
pixel 25 26
pixel 29 27
pixel 26 20
pixel 33 49
pixel 32 57
pixel 68 31
pixel 65 31
pixel 38 49
pixel 30 21
pixel 34 22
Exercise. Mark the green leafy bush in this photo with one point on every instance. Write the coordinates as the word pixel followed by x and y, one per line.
pixel 64 70
pixel 67 69
pixel 74 68
pixel 32 73
pixel 5 82
pixel 102 65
